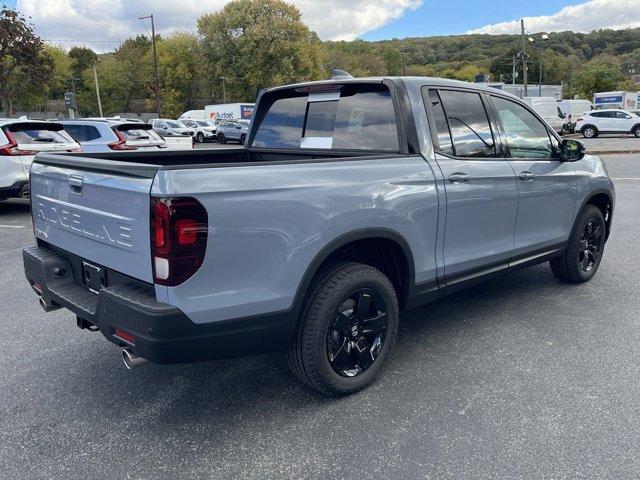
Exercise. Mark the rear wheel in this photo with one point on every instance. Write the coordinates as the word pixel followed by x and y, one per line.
pixel 636 131
pixel 582 258
pixel 200 137
pixel 222 138
pixel 589 132
pixel 347 329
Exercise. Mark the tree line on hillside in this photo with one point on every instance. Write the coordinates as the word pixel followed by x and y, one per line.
pixel 253 44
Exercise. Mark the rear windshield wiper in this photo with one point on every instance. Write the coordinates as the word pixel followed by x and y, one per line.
pixel 43 139
pixel 142 137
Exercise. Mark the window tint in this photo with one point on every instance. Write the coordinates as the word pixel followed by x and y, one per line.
pixel 138 133
pixel 468 123
pixel 527 136
pixel 444 137
pixel 282 125
pixel 366 121
pixel 31 134
pixel 622 115
pixel 83 133
pixel 363 118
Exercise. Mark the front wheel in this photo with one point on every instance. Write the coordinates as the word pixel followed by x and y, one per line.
pixel 347 329
pixel 589 132
pixel 636 131
pixel 584 251
pixel 221 138
pixel 200 137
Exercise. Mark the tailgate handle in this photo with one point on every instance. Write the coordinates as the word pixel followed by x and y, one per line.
pixel 76 182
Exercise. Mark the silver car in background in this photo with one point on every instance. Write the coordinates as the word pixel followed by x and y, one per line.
pixel 235 130
pixel 95 136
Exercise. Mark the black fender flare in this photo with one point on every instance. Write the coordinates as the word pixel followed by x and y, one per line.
pixel 344 239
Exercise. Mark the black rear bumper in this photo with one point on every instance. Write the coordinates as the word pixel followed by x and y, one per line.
pixel 162 333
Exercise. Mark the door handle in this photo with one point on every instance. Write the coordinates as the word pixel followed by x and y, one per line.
pixel 459 178
pixel 527 176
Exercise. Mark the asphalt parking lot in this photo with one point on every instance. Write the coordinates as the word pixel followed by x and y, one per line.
pixel 522 377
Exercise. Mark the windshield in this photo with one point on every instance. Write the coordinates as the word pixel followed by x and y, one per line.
pixel 358 117
pixel 204 123
pixel 174 125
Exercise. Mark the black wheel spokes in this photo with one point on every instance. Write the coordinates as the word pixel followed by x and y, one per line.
pixel 357 333
pixel 590 246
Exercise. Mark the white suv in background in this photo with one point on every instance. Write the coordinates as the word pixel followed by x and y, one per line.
pixel 591 124
pixel 20 140
pixel 205 130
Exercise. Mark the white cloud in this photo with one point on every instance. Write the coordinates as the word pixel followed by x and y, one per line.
pixel 588 16
pixel 102 24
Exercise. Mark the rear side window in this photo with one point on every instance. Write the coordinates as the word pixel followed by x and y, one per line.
pixel 83 133
pixel 357 117
pixel 468 124
pixel 31 133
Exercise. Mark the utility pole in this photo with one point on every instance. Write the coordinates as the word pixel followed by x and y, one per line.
pixel 404 66
pixel 524 59
pixel 224 90
pixel 514 72
pixel 95 78
pixel 155 60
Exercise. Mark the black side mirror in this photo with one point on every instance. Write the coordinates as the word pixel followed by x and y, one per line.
pixel 571 150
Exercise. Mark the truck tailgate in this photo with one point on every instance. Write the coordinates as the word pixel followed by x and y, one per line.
pixel 101 217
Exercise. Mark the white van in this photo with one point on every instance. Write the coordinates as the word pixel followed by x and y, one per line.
pixel 547 108
pixel 572 109
pixel 193 115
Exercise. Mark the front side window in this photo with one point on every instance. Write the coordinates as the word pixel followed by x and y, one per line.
pixel 355 118
pixel 468 123
pixel 526 135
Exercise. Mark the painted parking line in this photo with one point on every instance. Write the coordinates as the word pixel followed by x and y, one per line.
pixel 12 226
pixel 625 178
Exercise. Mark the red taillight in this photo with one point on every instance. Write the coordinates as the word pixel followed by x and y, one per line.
pixel 11 148
pixel 178 238
pixel 121 144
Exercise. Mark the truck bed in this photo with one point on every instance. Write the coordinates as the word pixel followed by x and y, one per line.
pixel 147 164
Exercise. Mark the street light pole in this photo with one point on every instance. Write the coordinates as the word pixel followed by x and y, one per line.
pixel 95 78
pixel 525 71
pixel 155 60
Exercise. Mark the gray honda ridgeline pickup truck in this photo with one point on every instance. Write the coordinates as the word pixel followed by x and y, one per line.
pixel 353 200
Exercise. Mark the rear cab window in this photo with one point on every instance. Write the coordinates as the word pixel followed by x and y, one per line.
pixel 352 117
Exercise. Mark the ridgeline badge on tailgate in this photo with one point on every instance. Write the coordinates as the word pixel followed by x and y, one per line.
pixel 116 231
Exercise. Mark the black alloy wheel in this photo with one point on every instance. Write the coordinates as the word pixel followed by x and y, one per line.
pixel 591 244
pixel 357 333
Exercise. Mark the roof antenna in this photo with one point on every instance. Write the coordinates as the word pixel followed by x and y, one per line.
pixel 337 74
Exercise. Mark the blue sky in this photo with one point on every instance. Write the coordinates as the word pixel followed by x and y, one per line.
pixel 438 17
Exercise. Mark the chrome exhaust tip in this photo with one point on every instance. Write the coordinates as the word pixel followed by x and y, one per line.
pixel 48 306
pixel 131 360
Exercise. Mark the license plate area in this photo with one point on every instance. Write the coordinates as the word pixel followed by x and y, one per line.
pixel 93 277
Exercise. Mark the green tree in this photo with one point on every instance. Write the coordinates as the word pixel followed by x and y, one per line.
pixel 260 43
pixel 596 77
pixel 24 64
pixel 82 58
pixel 183 77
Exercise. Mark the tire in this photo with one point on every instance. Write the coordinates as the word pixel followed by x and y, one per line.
pixel 316 337
pixel 221 138
pixel 636 131
pixel 589 132
pixel 243 137
pixel 200 137
pixel 571 266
